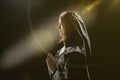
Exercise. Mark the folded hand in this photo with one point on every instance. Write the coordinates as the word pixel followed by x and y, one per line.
pixel 51 63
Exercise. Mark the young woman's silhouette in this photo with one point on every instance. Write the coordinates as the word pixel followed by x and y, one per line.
pixel 70 62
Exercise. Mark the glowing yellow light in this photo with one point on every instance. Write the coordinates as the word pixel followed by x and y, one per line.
pixel 41 41
pixel 91 6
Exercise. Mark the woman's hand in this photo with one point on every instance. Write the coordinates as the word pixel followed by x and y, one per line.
pixel 51 63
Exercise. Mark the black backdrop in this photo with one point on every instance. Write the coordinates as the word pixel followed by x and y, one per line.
pixel 104 35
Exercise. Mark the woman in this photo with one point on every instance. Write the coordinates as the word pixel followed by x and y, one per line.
pixel 70 62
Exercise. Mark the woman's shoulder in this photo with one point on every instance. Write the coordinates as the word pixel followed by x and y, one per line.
pixel 74 51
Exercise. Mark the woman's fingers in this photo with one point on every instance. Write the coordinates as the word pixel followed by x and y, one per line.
pixel 50 57
pixel 51 62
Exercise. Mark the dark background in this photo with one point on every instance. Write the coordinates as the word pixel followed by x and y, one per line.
pixel 104 35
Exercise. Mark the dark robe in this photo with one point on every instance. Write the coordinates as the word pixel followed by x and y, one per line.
pixel 71 65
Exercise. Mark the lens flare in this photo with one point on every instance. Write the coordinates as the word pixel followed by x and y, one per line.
pixel 37 44
pixel 91 6
pixel 87 10
pixel 42 39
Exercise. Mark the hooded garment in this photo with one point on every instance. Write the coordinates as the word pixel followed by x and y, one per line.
pixel 71 61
